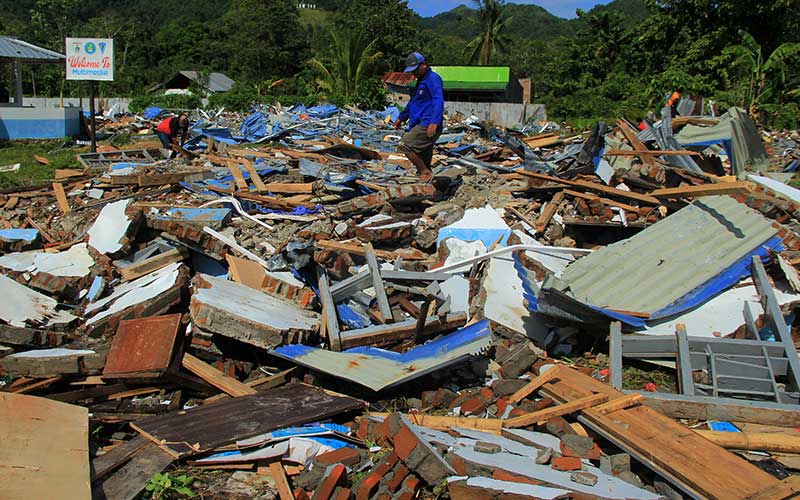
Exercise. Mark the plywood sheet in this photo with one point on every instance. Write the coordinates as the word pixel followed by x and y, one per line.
pixel 208 427
pixel 44 449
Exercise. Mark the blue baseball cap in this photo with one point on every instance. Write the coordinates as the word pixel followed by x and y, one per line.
pixel 412 61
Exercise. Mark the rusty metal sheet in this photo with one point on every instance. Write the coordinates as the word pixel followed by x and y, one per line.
pixel 142 346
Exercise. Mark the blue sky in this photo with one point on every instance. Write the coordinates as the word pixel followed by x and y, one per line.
pixel 561 8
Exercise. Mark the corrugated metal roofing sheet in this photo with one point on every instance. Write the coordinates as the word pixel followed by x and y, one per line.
pixel 12 48
pixel 664 262
pixel 379 369
pixel 217 82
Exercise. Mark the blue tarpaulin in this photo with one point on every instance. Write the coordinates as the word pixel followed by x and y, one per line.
pixel 152 112
pixel 254 127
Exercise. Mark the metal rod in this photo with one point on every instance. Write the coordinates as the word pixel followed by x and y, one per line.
pixel 512 248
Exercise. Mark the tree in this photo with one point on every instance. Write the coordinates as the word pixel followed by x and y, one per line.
pixel 264 39
pixel 354 56
pixel 390 22
pixel 492 21
pixel 762 82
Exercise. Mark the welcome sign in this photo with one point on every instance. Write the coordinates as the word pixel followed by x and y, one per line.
pixel 90 59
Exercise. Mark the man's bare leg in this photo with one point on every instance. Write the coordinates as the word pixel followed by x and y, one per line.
pixel 425 173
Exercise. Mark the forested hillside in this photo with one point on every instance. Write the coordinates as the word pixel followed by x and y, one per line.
pixel 620 58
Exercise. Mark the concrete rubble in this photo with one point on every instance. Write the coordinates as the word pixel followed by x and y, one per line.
pixel 297 312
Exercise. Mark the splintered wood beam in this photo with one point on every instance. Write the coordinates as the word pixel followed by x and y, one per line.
pixel 549 211
pixel 215 377
pixel 440 423
pixel 556 411
pixel 533 385
pixel 61 197
pixel 593 186
pixel 704 190
pixel 238 178
pixel 254 177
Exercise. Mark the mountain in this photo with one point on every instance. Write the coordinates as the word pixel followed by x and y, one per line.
pixel 528 21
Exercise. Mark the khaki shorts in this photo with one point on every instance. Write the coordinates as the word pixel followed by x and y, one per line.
pixel 417 139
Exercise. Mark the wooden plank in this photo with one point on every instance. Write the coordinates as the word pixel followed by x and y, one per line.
pixel 281 482
pixel 66 173
pixel 34 385
pixel 703 190
pixel 605 201
pixel 782 442
pixel 694 464
pixel 555 411
pixel 290 187
pixel 254 177
pixel 132 478
pixel 45 448
pixel 262 383
pixel 548 212
pixel 619 404
pixel 788 488
pixel 238 178
pixel 533 385
pixel 592 186
pixel 632 137
pixel 218 379
pixel 441 423
pixel 154 263
pixel 11 203
pixel 246 271
pixel 707 408
pixel 208 427
pixel 61 197
pixel 108 462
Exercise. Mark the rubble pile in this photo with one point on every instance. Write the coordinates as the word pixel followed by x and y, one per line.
pixel 284 302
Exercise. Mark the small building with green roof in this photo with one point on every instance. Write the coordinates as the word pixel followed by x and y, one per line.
pixel 463 84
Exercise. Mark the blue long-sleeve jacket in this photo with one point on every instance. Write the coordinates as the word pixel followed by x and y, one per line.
pixel 427 102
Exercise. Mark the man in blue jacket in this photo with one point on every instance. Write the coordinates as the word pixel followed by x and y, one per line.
pixel 424 116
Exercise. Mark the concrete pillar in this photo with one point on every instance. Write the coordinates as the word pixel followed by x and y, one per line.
pixel 17 83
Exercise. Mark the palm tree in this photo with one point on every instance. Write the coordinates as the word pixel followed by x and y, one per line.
pixel 749 51
pixel 354 56
pixel 492 22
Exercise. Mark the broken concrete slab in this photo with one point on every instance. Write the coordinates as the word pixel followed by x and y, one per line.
pixel 25 307
pixel 236 311
pixel 75 262
pixel 149 295
pixel 112 230
pixel 484 487
pixel 17 240
pixel 53 362
pixel 478 224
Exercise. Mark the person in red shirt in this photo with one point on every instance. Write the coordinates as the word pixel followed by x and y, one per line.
pixel 169 130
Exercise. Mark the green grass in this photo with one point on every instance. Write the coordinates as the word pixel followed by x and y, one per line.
pixel 32 172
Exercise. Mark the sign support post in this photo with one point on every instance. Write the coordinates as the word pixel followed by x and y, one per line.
pixel 93 122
